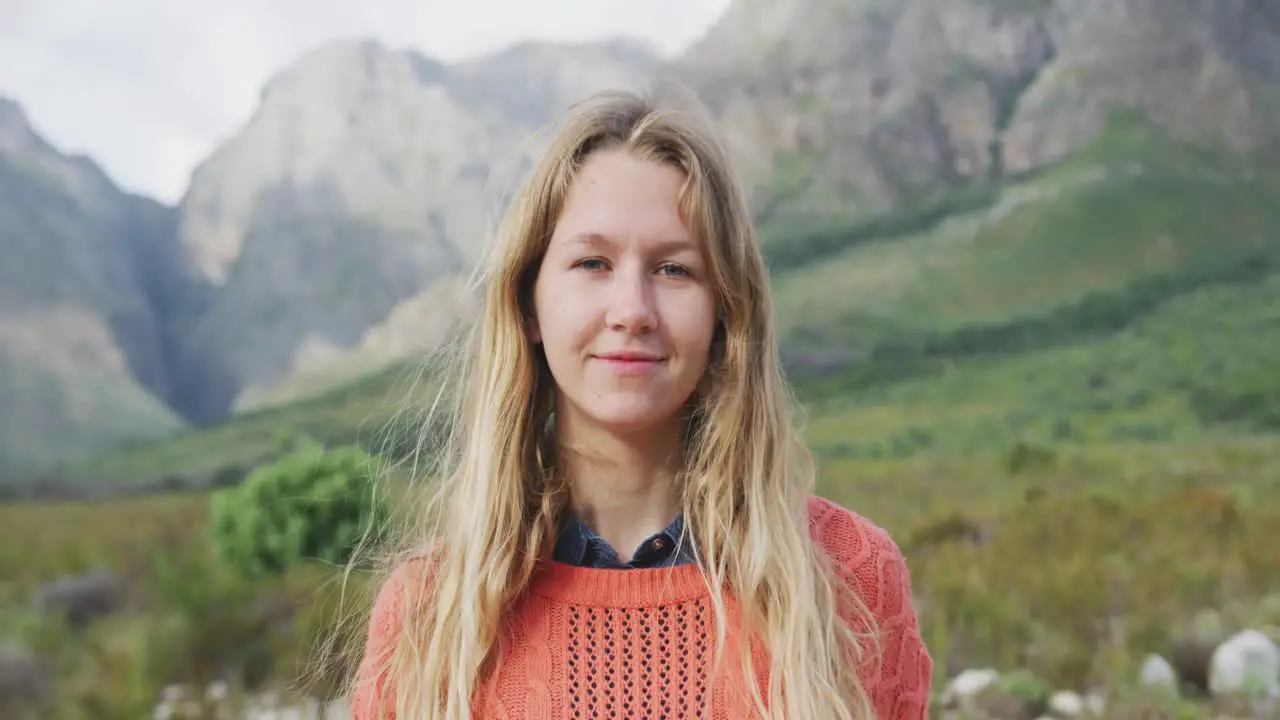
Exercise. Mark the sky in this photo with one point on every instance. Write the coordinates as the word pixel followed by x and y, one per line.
pixel 148 88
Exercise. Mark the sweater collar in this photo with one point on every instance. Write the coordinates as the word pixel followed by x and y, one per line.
pixel 620 588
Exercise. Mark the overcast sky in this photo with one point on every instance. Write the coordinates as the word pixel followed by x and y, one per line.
pixel 149 87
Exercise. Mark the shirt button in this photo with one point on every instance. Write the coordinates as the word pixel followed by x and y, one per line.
pixel 658 544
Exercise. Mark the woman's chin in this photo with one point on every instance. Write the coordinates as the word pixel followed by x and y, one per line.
pixel 631 416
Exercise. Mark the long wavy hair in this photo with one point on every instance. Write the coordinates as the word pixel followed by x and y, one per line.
pixel 494 502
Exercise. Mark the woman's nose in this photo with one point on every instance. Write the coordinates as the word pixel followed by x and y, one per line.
pixel 631 302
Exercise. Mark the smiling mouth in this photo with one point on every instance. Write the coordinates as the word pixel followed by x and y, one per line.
pixel 630 361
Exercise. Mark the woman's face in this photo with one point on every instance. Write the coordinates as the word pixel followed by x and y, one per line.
pixel 622 305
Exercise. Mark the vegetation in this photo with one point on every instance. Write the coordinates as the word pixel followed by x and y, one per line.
pixel 1199 368
pixel 181 615
pixel 237 586
pixel 314 504
pixel 1084 228
pixel 1079 564
pixel 786 253
pixel 1073 567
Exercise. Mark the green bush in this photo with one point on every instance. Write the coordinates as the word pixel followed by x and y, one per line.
pixel 313 504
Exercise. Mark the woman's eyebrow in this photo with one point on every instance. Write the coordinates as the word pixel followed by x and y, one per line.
pixel 673 245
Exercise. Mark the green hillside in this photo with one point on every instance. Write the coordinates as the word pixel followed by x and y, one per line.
pixel 1131 206
pixel 1196 367
pixel 371 411
pixel 1130 294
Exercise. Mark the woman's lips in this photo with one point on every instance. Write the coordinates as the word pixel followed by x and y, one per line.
pixel 630 362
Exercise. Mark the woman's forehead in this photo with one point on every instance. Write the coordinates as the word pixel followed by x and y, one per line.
pixel 617 199
pixel 661 244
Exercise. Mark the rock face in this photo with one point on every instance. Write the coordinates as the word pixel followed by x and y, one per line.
pixel 1202 70
pixel 324 234
pixel 835 109
pixel 84 344
pixel 839 108
pixel 364 178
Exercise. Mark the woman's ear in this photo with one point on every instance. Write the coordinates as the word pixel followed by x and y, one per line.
pixel 531 327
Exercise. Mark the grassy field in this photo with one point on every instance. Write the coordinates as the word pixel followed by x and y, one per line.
pixel 1059 395
pixel 183 616
pixel 1073 565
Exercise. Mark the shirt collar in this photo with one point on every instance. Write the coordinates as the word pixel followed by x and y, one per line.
pixel 576 543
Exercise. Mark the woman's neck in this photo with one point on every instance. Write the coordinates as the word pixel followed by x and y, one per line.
pixel 622 486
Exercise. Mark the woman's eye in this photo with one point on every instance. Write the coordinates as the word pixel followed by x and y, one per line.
pixel 672 268
pixel 591 264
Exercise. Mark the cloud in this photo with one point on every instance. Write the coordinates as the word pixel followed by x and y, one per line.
pixel 149 87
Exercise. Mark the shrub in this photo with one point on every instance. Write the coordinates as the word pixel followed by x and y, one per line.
pixel 313 504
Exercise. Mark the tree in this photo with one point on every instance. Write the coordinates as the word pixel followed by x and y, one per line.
pixel 313 504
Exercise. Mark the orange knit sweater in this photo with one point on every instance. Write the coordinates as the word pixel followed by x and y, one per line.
pixel 636 643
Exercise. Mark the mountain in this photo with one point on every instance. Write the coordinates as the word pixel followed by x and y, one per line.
pixel 87 271
pixel 841 109
pixel 1128 295
pixel 841 112
pixel 939 185
pixel 365 176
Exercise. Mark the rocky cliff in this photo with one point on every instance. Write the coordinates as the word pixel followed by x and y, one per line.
pixel 838 110
pixel 847 108
pixel 86 270
pixel 365 176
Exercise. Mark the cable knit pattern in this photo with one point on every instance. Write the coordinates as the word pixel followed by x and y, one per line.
pixel 636 643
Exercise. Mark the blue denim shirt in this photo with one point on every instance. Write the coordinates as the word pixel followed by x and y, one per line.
pixel 577 544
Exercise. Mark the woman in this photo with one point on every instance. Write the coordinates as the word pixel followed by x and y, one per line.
pixel 626 524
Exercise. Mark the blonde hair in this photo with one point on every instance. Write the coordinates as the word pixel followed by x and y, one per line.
pixel 748 476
